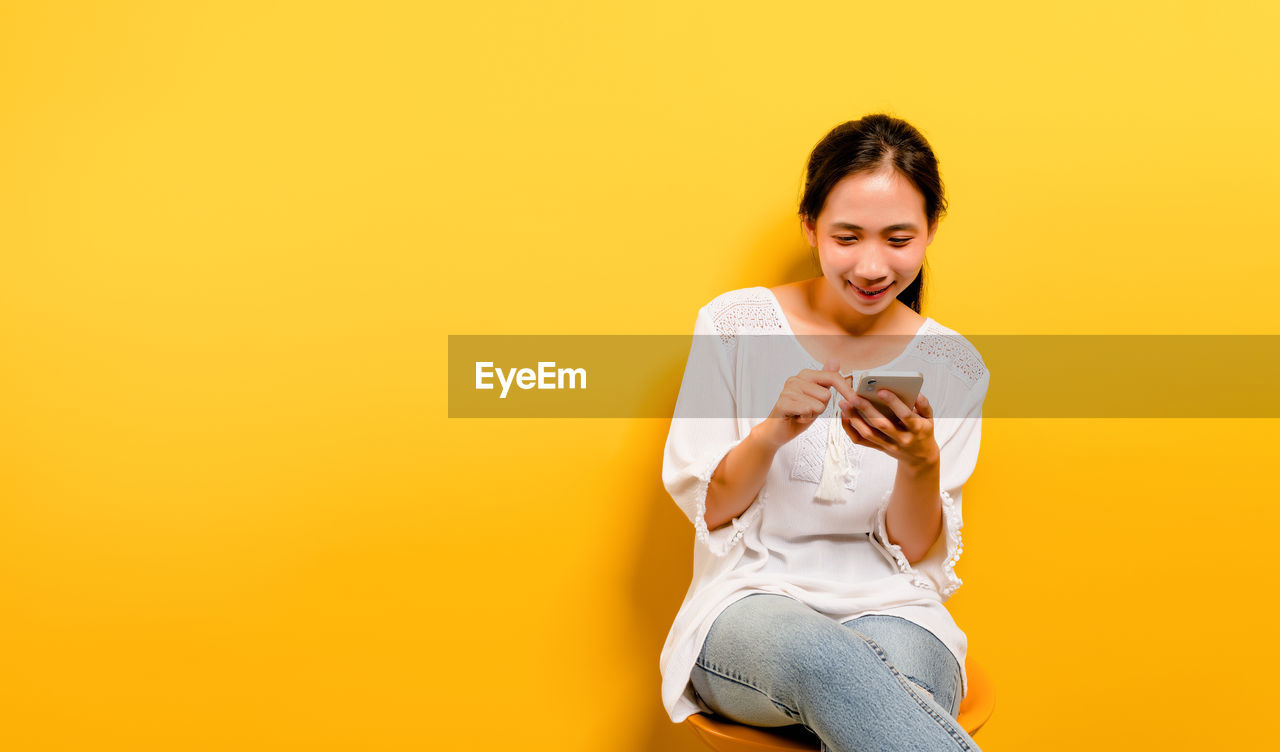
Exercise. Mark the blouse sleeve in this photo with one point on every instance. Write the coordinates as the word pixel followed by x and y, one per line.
pixel 703 430
pixel 958 450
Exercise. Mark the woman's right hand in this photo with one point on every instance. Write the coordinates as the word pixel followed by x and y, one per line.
pixel 804 397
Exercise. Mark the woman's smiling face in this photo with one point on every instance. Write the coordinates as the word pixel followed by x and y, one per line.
pixel 871 234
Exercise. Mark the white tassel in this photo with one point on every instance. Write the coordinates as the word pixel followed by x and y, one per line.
pixel 835 469
pixel 831 489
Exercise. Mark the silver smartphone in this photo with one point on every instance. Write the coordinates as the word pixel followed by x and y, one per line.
pixel 905 384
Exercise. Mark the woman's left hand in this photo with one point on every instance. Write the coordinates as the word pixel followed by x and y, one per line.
pixel 910 441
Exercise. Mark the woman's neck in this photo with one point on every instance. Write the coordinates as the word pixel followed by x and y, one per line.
pixel 827 306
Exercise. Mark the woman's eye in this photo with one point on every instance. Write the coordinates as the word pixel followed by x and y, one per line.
pixel 849 238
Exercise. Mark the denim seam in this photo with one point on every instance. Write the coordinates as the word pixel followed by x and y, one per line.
pixel 738 679
pixel 923 684
pixel 946 725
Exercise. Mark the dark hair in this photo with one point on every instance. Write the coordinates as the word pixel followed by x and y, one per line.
pixel 866 145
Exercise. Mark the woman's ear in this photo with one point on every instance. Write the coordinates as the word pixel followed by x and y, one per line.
pixel 932 229
pixel 810 233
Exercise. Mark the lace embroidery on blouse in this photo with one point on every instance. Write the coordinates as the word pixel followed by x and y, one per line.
pixel 740 523
pixel 951 524
pixel 737 314
pixel 811 451
pixel 952 349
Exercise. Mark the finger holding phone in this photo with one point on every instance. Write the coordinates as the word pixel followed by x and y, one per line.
pixel 907 436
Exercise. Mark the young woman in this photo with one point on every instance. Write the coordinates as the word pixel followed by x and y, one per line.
pixel 826 534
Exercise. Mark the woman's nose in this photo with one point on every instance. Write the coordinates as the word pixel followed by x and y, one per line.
pixel 871 267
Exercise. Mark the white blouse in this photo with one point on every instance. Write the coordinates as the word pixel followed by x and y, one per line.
pixel 832 555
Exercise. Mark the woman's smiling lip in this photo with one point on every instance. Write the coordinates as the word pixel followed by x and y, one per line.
pixel 863 291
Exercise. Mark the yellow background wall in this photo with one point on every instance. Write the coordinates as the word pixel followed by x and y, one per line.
pixel 235 239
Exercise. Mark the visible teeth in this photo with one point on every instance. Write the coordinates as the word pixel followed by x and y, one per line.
pixel 869 292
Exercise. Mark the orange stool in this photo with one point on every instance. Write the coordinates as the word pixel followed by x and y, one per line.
pixel 727 736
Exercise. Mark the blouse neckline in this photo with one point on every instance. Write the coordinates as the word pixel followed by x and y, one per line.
pixel 790 333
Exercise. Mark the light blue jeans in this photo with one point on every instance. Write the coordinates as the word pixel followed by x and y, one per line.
pixel 877 682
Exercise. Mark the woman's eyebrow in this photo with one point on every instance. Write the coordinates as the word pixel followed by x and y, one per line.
pixel 890 228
